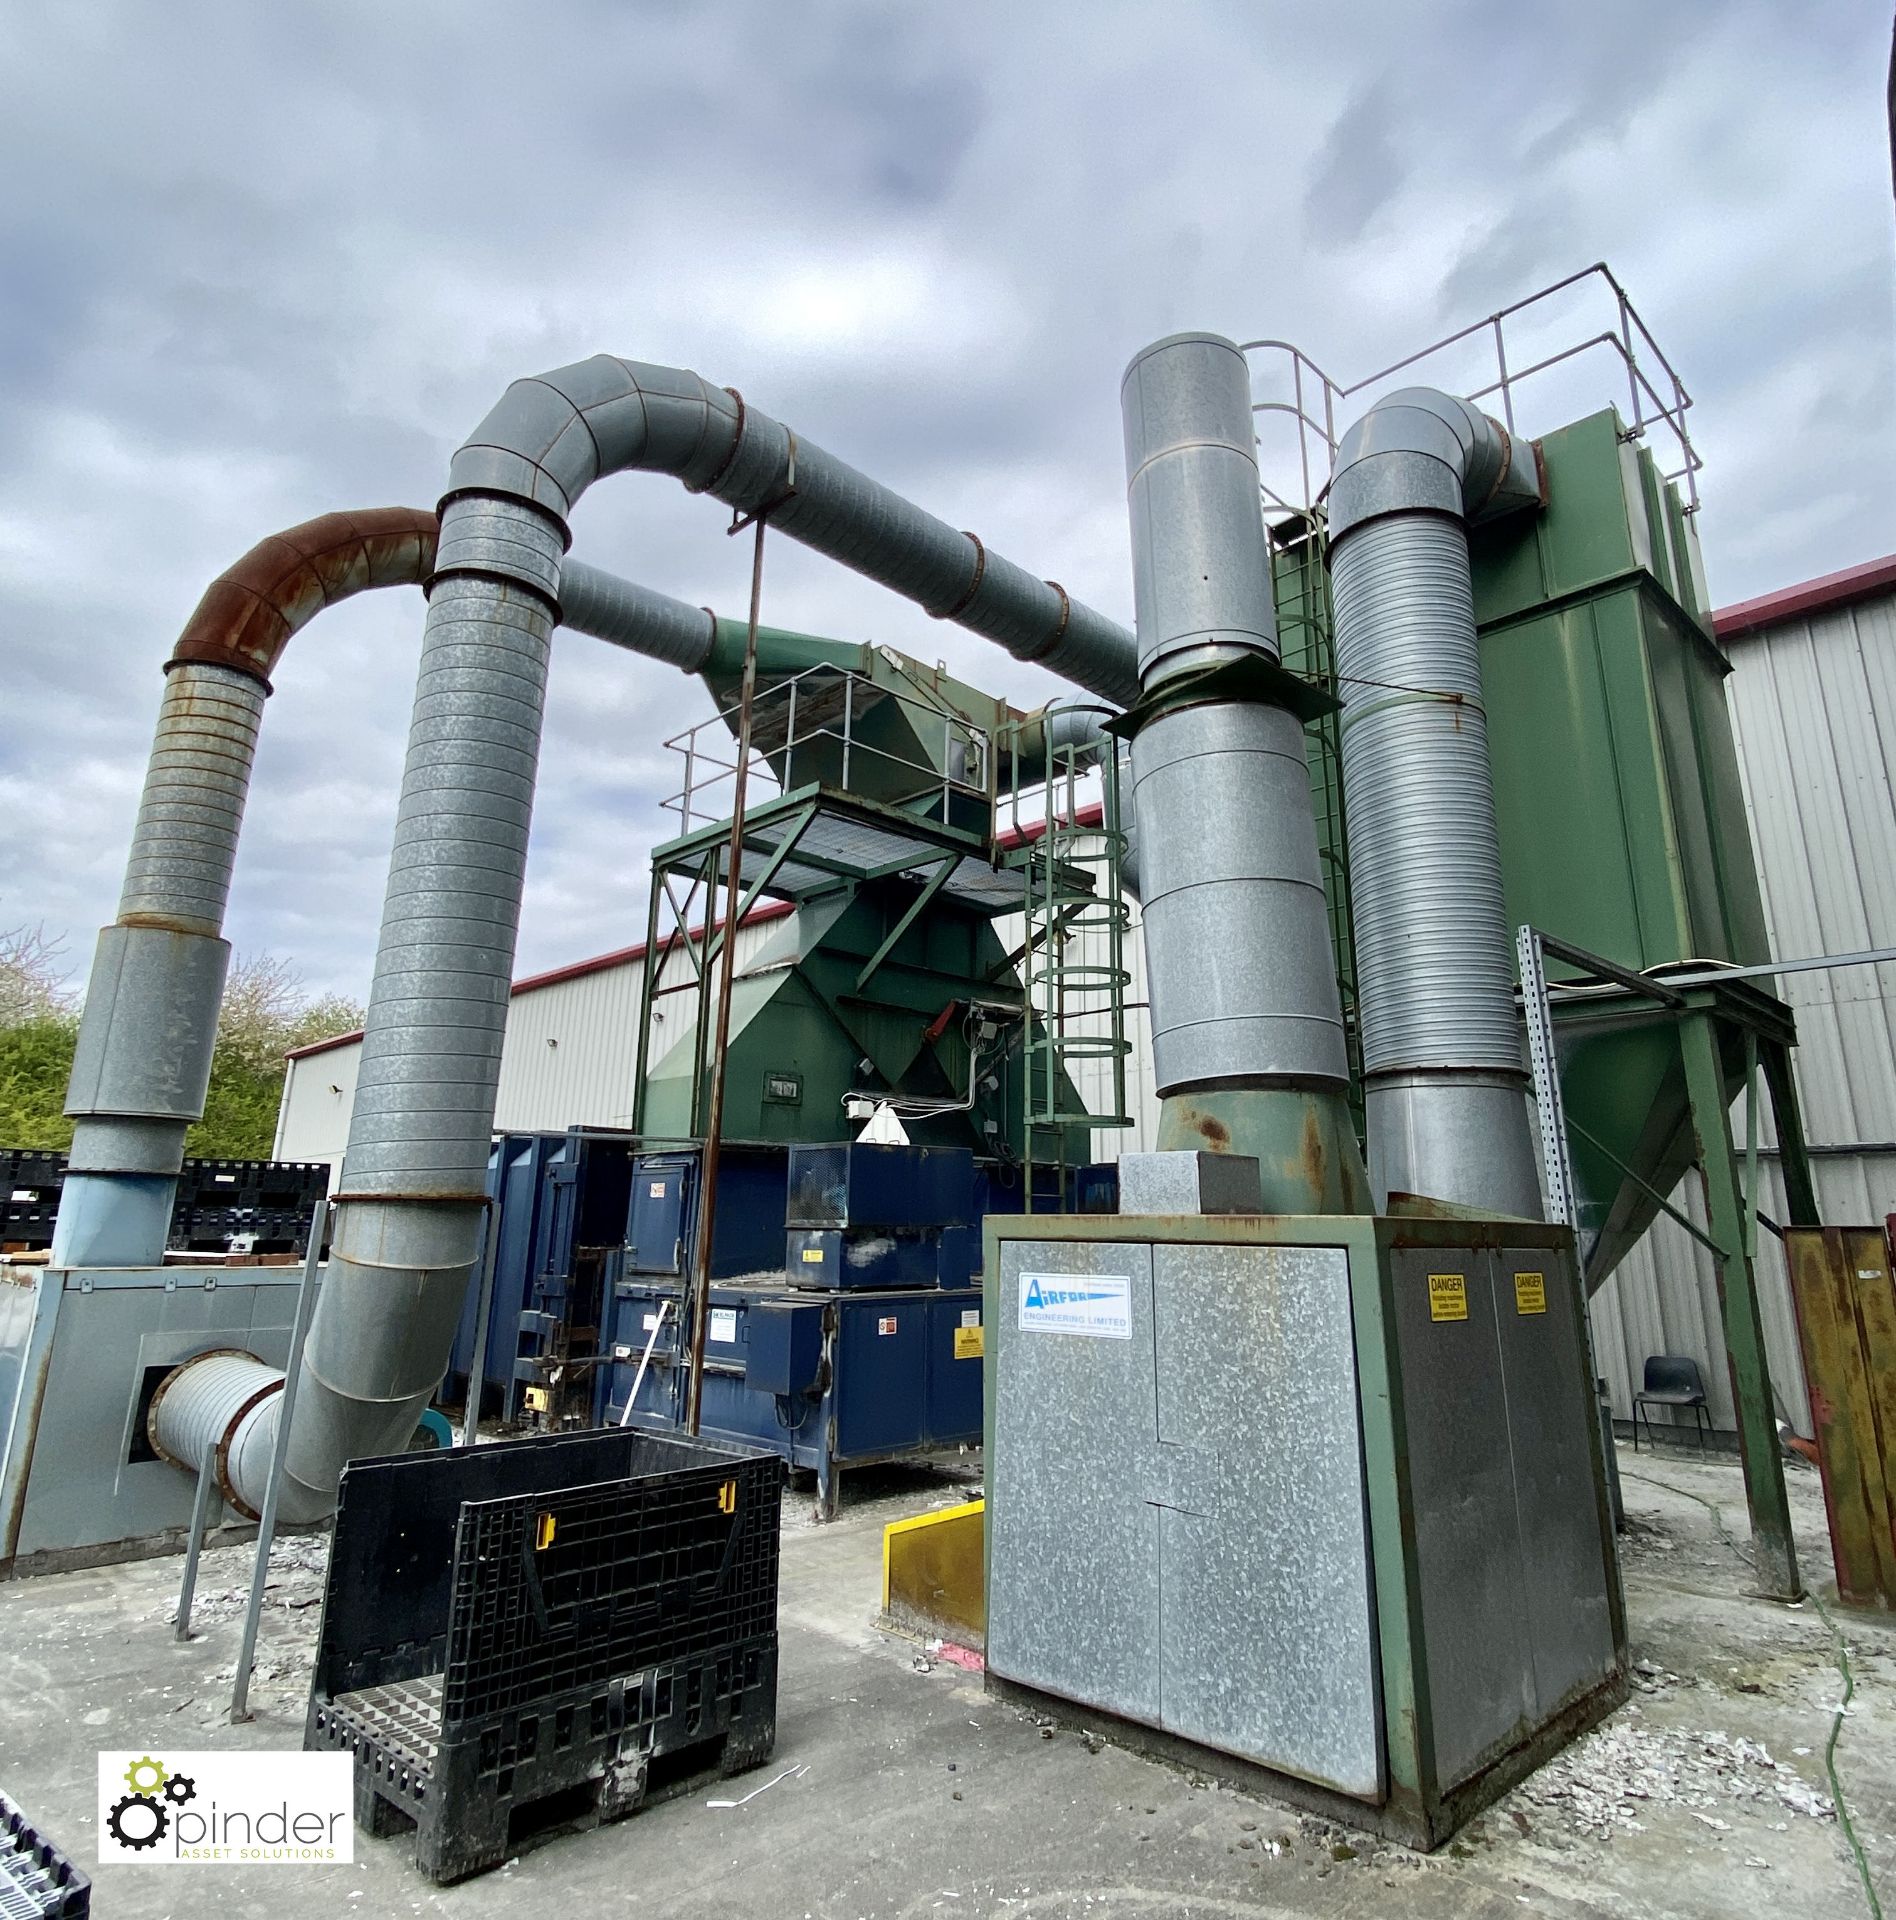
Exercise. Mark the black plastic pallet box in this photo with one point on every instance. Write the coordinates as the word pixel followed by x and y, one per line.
pixel 545 1629
pixel 37 1881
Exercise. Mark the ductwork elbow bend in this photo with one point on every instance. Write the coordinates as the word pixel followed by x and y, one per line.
pixel 249 611
pixel 552 435
pixel 1422 451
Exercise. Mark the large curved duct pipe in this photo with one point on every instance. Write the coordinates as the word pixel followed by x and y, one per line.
pixel 142 1065
pixel 1247 1023
pixel 143 1060
pixel 1445 1092
pixel 409 1208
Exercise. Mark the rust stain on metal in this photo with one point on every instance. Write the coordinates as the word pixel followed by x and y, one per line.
pixel 166 923
pixel 248 613
pixel 1215 1133
pixel 1313 1160
pixel 31 1398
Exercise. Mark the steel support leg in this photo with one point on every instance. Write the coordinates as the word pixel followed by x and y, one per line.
pixel 1800 1188
pixel 1772 1547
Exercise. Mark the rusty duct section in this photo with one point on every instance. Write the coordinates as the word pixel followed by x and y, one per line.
pixel 143 1060
pixel 248 613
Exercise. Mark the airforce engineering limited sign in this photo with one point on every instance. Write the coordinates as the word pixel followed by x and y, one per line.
pixel 1096 1305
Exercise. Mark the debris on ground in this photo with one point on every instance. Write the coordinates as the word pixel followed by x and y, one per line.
pixel 1605 1782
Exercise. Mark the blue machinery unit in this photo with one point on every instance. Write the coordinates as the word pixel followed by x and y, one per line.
pixel 845 1311
pixel 844 1328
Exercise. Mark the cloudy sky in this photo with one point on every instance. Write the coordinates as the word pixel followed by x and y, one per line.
pixel 264 261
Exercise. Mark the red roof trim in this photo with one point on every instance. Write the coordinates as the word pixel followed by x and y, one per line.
pixel 626 956
pixel 1814 596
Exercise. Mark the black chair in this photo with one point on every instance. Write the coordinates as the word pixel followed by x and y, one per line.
pixel 1672 1380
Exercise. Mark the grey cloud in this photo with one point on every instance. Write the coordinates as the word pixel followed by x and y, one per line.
pixel 1358 171
pixel 262 262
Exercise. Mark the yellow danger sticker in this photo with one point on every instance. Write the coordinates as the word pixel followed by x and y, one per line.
pixel 968 1344
pixel 812 1256
pixel 1530 1293
pixel 1448 1296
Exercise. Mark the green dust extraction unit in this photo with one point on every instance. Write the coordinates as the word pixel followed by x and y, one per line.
pixel 1305 1480
pixel 843 1319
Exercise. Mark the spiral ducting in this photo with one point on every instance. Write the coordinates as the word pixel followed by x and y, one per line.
pixel 142 1065
pixel 213 1407
pixel 1445 1088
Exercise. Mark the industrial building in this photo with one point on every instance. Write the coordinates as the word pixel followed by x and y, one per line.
pixel 1813 700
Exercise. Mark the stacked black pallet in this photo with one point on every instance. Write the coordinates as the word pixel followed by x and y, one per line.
pixel 37 1881
pixel 264 1206
pixel 30 1180
pixel 515 1625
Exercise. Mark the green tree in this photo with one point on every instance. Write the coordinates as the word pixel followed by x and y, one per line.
pixel 265 1013
pixel 39 1021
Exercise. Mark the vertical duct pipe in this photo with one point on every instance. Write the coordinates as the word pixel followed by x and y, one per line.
pixel 1247 1023
pixel 1444 1086
pixel 409 1205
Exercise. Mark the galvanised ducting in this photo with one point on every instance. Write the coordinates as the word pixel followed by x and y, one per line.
pixel 552 436
pixel 143 1060
pixel 1247 1023
pixel 635 617
pixel 409 1208
pixel 1445 1089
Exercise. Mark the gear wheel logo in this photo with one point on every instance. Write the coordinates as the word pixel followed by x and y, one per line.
pixel 137 1821
pixel 156 1769
pixel 180 1789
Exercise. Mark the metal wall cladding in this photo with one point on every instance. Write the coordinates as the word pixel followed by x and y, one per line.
pixel 1814 711
pixel 1497 1428
pixel 567 1060
pixel 1813 706
pixel 1178 1523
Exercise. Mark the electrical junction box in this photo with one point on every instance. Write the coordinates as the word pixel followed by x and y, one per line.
pixel 785 1355
pixel 1322 1498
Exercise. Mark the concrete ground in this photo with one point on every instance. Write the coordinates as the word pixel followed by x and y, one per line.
pixel 915 1794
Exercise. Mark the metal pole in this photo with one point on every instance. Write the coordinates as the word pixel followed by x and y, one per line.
pixel 654 960
pixel 483 1309
pixel 727 966
pixel 1556 1159
pixel 200 1507
pixel 266 1525
pixel 645 1360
